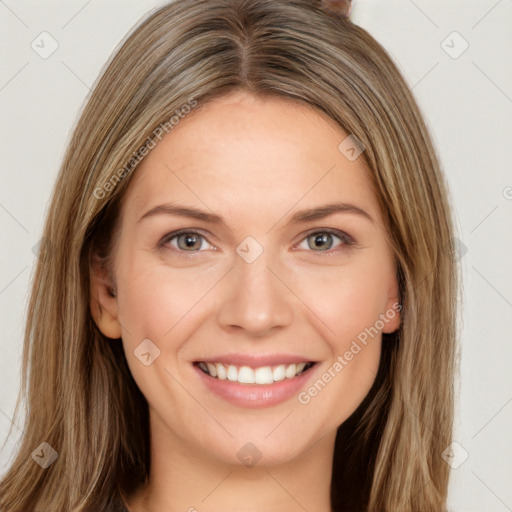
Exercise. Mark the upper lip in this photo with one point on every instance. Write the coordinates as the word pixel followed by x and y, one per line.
pixel 256 361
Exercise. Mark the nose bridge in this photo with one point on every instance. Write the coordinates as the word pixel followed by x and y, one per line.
pixel 256 300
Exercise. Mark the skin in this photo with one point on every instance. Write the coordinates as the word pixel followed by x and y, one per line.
pixel 255 162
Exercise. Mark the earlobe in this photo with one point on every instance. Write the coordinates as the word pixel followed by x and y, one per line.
pixel 103 301
pixel 392 315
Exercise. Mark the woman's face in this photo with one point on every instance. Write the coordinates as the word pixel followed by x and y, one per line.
pixel 282 261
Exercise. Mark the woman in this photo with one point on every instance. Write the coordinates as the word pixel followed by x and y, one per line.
pixel 249 299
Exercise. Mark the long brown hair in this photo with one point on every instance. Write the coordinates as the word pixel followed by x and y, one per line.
pixel 80 396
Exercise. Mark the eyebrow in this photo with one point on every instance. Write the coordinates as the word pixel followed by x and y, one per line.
pixel 302 216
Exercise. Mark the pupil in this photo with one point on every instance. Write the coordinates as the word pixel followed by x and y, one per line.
pixel 190 241
pixel 323 239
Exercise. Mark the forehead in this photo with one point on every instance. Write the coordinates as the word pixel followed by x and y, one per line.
pixel 240 153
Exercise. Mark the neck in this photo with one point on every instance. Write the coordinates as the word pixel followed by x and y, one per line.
pixel 185 479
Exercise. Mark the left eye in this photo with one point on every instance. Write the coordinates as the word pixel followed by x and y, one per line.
pixel 321 241
pixel 188 241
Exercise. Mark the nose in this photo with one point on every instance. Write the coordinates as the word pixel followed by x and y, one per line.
pixel 256 299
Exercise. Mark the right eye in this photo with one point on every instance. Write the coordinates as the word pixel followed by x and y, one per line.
pixel 187 241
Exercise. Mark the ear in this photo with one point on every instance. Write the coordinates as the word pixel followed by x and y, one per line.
pixel 103 300
pixel 392 315
pixel 342 7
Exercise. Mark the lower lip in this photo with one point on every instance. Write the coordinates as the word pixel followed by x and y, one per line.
pixel 255 396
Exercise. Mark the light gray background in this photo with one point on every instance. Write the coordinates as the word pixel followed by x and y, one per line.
pixel 467 102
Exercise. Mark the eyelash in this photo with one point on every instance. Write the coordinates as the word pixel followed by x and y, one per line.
pixel 346 240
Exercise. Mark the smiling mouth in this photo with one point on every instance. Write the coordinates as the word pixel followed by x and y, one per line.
pixel 248 375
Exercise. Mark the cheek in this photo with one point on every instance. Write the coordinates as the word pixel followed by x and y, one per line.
pixel 157 302
pixel 148 306
pixel 163 305
pixel 347 304
pixel 346 300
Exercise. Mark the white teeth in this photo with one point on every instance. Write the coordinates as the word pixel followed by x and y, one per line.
pixel 263 375
pixel 248 375
pixel 211 369
pixel 291 371
pixel 300 367
pixel 232 373
pixel 221 371
pixel 279 372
